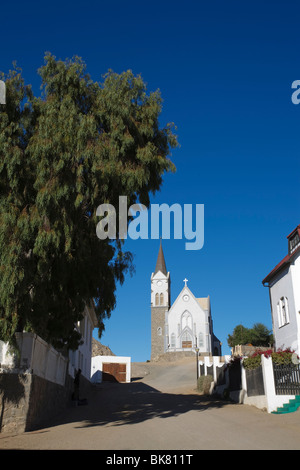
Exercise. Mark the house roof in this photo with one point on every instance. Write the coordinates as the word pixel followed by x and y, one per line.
pixel 91 310
pixel 286 260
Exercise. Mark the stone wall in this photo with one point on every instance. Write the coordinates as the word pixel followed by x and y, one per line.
pixel 173 356
pixel 28 402
pixel 247 349
pixel 157 331
pixel 14 401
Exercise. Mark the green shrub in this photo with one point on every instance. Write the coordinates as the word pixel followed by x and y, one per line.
pixel 203 384
pixel 282 357
pixel 252 362
pixel 278 357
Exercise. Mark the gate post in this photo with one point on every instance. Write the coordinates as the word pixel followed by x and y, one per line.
pixel 244 379
pixel 268 376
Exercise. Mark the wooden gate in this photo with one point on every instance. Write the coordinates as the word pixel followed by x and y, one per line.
pixel 113 372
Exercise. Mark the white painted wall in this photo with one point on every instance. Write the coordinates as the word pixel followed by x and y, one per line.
pixel 269 401
pixel 295 272
pixel 97 366
pixel 37 357
pixel 7 358
pixel 287 284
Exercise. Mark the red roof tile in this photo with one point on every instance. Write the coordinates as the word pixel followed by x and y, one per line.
pixel 285 261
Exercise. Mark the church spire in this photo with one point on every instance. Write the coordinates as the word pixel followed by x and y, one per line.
pixel 160 263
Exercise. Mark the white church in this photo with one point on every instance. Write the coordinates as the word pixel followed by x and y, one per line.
pixel 184 326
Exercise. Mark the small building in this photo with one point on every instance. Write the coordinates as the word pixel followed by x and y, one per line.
pixel 111 369
pixel 284 289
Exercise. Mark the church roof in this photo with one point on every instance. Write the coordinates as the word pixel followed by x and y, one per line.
pixel 204 302
pixel 160 263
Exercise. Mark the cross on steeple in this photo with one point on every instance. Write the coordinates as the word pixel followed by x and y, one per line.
pixel 185 281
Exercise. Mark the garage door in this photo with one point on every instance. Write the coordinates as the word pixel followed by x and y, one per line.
pixel 114 372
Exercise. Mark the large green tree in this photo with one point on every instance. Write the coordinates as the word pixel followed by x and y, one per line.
pixel 62 154
pixel 240 335
pixel 258 335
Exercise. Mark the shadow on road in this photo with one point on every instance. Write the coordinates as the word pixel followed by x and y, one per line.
pixel 116 404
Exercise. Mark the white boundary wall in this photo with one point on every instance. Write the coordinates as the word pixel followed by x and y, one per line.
pixel 270 401
pixel 37 357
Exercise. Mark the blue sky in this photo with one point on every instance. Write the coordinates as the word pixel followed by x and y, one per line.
pixel 225 71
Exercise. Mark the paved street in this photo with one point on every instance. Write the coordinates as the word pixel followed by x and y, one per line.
pixel 155 412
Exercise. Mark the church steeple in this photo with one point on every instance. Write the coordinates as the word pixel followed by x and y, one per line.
pixel 160 263
pixel 160 304
pixel 160 283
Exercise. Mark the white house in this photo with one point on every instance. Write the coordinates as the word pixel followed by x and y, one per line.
pixel 183 326
pixel 284 288
pixel 81 358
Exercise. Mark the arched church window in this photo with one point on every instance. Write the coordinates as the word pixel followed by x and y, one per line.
pixel 173 340
pixel 156 299
pixel 201 341
pixel 186 320
pixel 186 336
pixel 159 331
pixel 161 299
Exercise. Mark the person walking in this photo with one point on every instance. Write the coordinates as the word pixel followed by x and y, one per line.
pixel 76 385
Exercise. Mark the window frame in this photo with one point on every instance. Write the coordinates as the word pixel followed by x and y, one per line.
pixel 283 312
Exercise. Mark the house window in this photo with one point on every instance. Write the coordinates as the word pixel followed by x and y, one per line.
pixel 283 311
pixel 294 242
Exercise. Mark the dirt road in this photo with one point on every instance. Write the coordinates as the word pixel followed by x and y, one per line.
pixel 157 412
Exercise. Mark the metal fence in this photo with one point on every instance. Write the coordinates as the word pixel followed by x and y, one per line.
pixel 287 379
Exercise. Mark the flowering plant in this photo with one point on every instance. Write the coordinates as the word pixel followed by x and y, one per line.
pixel 279 357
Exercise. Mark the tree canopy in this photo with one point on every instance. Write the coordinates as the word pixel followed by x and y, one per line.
pixel 80 144
pixel 258 335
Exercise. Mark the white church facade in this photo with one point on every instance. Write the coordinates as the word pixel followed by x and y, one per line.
pixel 184 326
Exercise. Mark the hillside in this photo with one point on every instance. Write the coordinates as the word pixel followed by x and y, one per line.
pixel 99 349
